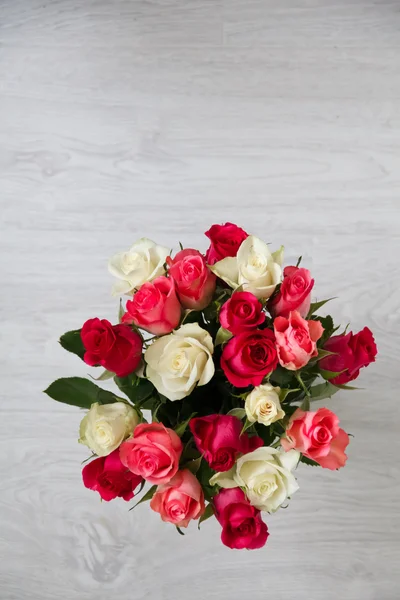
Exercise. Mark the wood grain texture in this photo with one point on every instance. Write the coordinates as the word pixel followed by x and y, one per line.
pixel 127 118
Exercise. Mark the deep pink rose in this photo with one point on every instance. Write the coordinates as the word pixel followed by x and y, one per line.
pixel 114 347
pixel 352 352
pixel 108 476
pixel 154 307
pixel 218 438
pixel 248 357
pixel 294 293
pixel 317 436
pixel 225 241
pixel 179 501
pixel 153 452
pixel 296 340
pixel 242 312
pixel 194 281
pixel 242 526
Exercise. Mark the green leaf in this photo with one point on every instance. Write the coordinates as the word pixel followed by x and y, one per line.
pixel 104 376
pixel 138 389
pixel 322 391
pixel 121 311
pixel 72 342
pixel 309 461
pixel 343 386
pixel 303 385
pixel 181 428
pixel 193 465
pixel 206 514
pixel 81 392
pixel 305 405
pixel 329 374
pixel 179 530
pixel 148 496
pixel 317 305
pixel 285 392
pixel 323 353
pixel 246 426
pixel 281 376
pixel 299 261
pixel 180 245
pixel 240 413
pixel 223 336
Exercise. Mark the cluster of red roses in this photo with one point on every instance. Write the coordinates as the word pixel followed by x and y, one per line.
pixel 249 337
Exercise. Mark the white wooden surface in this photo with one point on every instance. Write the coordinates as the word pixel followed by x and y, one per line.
pixel 127 118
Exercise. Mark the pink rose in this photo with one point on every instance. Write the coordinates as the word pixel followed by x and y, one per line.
pixel 108 476
pixel 180 500
pixel 194 281
pixel 219 439
pixel 296 340
pixel 225 241
pixel 248 357
pixel 294 293
pixel 242 526
pixel 242 312
pixel 317 436
pixel 153 452
pixel 351 353
pixel 155 307
pixel 114 347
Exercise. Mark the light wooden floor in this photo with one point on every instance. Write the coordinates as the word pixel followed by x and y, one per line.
pixel 127 118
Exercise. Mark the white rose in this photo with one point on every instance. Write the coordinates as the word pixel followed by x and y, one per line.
pixel 254 269
pixel 106 426
pixel 263 405
pixel 144 261
pixel 179 361
pixel 265 475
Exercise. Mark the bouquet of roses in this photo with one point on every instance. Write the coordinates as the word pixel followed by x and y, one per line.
pixel 229 354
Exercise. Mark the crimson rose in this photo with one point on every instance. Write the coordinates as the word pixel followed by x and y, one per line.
pixel 218 438
pixel 249 357
pixel 108 476
pixel 225 241
pixel 242 312
pixel 242 526
pixel 351 353
pixel 115 347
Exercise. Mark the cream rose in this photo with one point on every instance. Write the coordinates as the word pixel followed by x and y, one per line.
pixel 144 261
pixel 254 269
pixel 106 426
pixel 265 476
pixel 263 405
pixel 179 361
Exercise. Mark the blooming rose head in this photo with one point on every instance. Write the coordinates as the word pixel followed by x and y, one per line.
pixel 296 340
pixel 106 426
pixel 351 353
pixel 155 307
pixel 153 452
pixel 248 357
pixel 242 526
pixel 194 281
pixel 294 293
pixel 108 476
pixel 265 476
pixel 115 347
pixel 225 241
pixel 179 501
pixel 263 406
pixel 144 261
pixel 317 435
pixel 254 268
pixel 179 361
pixel 219 439
pixel 242 312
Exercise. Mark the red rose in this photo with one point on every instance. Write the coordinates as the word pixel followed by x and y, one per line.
pixel 249 357
pixel 242 312
pixel 115 347
pixel 317 436
pixel 352 352
pixel 294 293
pixel 242 526
pixel 155 307
pixel 194 281
pixel 108 476
pixel 218 438
pixel 225 241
